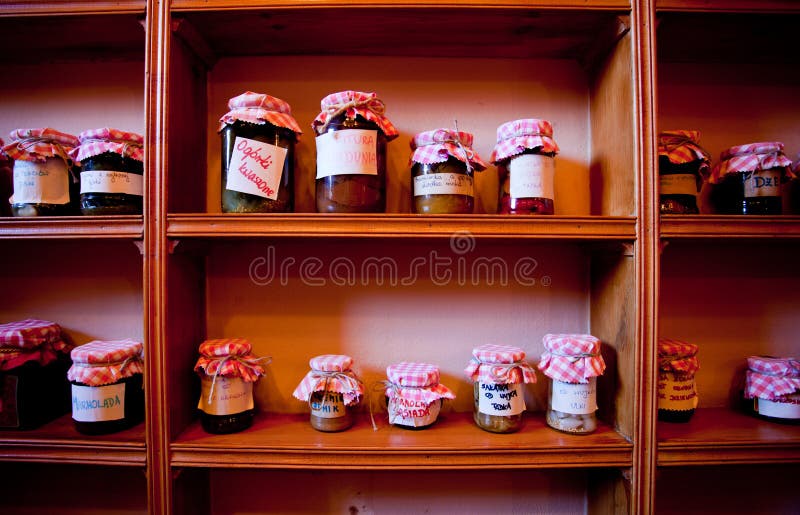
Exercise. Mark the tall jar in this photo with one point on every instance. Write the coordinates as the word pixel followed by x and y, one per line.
pixel 442 166
pixel 332 392
pixel 112 172
pixel 573 362
pixel 46 182
pixel 499 375
pixel 227 370
pixel 677 393
pixel 6 181
pixel 258 139
pixel 773 386
pixel 352 133
pixel 524 155
pixel 34 359
pixel 107 388
pixel 748 179
pixel 414 394
pixel 682 166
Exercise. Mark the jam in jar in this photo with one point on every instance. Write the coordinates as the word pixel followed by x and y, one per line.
pixel 414 394
pixel 773 386
pixel 332 391
pixel 682 166
pixel 677 394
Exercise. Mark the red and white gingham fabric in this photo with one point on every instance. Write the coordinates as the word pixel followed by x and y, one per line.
pixel 682 147
pixel 331 372
pixel 516 136
pixel 40 144
pixel 5 160
pixel 501 364
pixel 677 356
pixel 98 141
pixel 105 362
pixel 438 145
pixel 571 358
pixel 416 382
pixel 30 340
pixel 229 357
pixel 259 109
pixel 750 157
pixel 770 378
pixel 352 104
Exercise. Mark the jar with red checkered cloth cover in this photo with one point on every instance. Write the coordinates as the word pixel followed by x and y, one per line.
pixel 46 181
pixel 34 359
pixel 682 166
pixel 6 181
pixel 414 394
pixel 524 155
pixel 258 152
pixel 352 133
pixel 227 369
pixel 332 392
pixel 107 389
pixel 677 393
pixel 573 362
pixel 774 386
pixel 442 166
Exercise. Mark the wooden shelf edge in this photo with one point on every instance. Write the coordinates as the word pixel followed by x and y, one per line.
pixel 74 454
pixel 729 6
pixel 730 226
pixel 73 227
pixel 55 7
pixel 722 454
pixel 209 5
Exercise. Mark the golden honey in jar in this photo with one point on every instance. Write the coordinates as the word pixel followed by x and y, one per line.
pixel 682 167
pixel 677 393
pixel 414 394
pixel 332 391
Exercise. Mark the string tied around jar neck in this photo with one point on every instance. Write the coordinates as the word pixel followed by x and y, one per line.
pixel 250 363
pixel 375 105
pixel 575 357
pixel 350 382
pixel 503 376
pixel 467 153
pixel 380 387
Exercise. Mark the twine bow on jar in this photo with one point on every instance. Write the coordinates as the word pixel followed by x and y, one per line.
pixel 348 382
pixel 250 369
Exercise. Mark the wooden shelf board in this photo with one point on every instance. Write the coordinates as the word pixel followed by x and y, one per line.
pixel 70 227
pixel 730 226
pixel 761 6
pixel 722 436
pixel 454 442
pixel 193 5
pixel 59 442
pixel 68 7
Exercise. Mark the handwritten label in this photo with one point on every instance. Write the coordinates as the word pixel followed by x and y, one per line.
pixel 676 392
pixel 576 399
pixel 41 183
pixel 500 399
pixel 328 405
pixel 443 184
pixel 788 406
pixel 98 403
pixel 9 414
pixel 763 183
pixel 347 152
pixel 255 168
pixel 678 184
pixel 232 395
pixel 109 181
pixel 413 413
pixel 531 176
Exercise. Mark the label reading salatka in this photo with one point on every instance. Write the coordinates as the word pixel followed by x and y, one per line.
pixel 413 413
pixel 347 152
pixel 231 395
pixel 500 399
pixel 328 405
pixel 443 184
pixel 255 168
pixel 531 176
pixel 763 183
pixel 678 184
pixel 787 407
pixel 41 183
pixel 98 403
pixel 109 181
pixel 576 399
pixel 676 392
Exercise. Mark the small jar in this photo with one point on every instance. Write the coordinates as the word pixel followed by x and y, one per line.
pixel 677 393
pixel 414 394
pixel 524 155
pixel 773 384
pixel 45 178
pixel 258 139
pixel 352 133
pixel 442 166
pixel 573 362
pixel 748 179
pixel 6 181
pixel 34 359
pixel 332 392
pixel 227 370
pixel 107 389
pixel 499 375
pixel 112 172
pixel 682 167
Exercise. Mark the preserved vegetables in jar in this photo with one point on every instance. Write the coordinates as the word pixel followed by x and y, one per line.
pixel 682 167
pixel 332 391
pixel 414 394
pixel 677 394
pixel 258 142
pixel 773 386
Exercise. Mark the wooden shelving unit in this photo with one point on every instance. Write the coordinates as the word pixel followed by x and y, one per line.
pixel 730 227
pixel 73 227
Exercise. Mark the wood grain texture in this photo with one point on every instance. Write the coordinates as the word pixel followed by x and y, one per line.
pixel 191 5
pixel 72 227
pixel 750 6
pixel 730 227
pixel 69 7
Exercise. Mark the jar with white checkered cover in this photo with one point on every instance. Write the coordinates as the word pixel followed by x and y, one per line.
pixel 332 391
pixel 772 388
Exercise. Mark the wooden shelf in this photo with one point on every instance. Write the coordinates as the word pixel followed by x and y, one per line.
pixel 761 6
pixel 55 7
pixel 59 442
pixel 184 5
pixel 730 226
pixel 71 227
pixel 722 436
pixel 454 442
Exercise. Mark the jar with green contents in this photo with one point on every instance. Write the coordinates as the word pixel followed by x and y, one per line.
pixel 332 391
pixel 258 141
pixel 442 166
pixel 682 167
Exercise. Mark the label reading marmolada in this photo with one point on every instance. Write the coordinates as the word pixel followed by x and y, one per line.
pixel 110 181
pixel 575 398
pixel 443 184
pixel 347 152
pixel 500 399
pixel 763 183
pixel 255 168
pixel 678 184
pixel 405 412
pixel 531 176
pixel 98 403
pixel 231 395
pixel 41 183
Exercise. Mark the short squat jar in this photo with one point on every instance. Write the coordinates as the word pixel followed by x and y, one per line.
pixel 677 393
pixel 524 155
pixel 107 389
pixel 332 391
pixel 352 134
pixel 499 374
pixel 258 153
pixel 414 394
pixel 682 167
pixel 772 385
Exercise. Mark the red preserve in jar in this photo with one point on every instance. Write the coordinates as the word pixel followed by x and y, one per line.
pixel 414 394
pixel 332 392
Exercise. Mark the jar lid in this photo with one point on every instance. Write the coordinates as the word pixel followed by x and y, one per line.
pixel 753 156
pixel 330 372
pixel 259 109
pixel 677 356
pixel 682 146
pixel 516 136
pixel 98 141
pixel 105 362
pixel 416 382
pixel 331 363
pixel 225 347
pixel 437 146
pixel 230 357
pixel 571 358
pixel 501 364
pixel 352 104
pixel 770 378
pixel 30 340
pixel 39 144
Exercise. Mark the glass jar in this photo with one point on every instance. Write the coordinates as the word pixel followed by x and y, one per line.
pixel 107 388
pixel 773 386
pixel 682 166
pixel 677 393
pixel 414 394
pixel 332 391
pixel 6 181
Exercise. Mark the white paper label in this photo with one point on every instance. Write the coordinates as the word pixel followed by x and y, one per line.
pixel 763 183
pixel 531 176
pixel 500 399
pixel 232 395
pixel 678 184
pixel 255 168
pixel 443 184
pixel 676 392
pixel 331 406
pixel 576 399
pixel 109 181
pixel 413 413
pixel 41 183
pixel 98 403
pixel 347 152
pixel 787 407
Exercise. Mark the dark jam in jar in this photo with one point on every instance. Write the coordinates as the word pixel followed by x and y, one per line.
pixel 224 424
pixel 451 175
pixel 749 193
pixel 677 396
pixel 102 203
pixel 534 196
pixel 679 185
pixel 132 401
pixel 63 176
pixel 34 394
